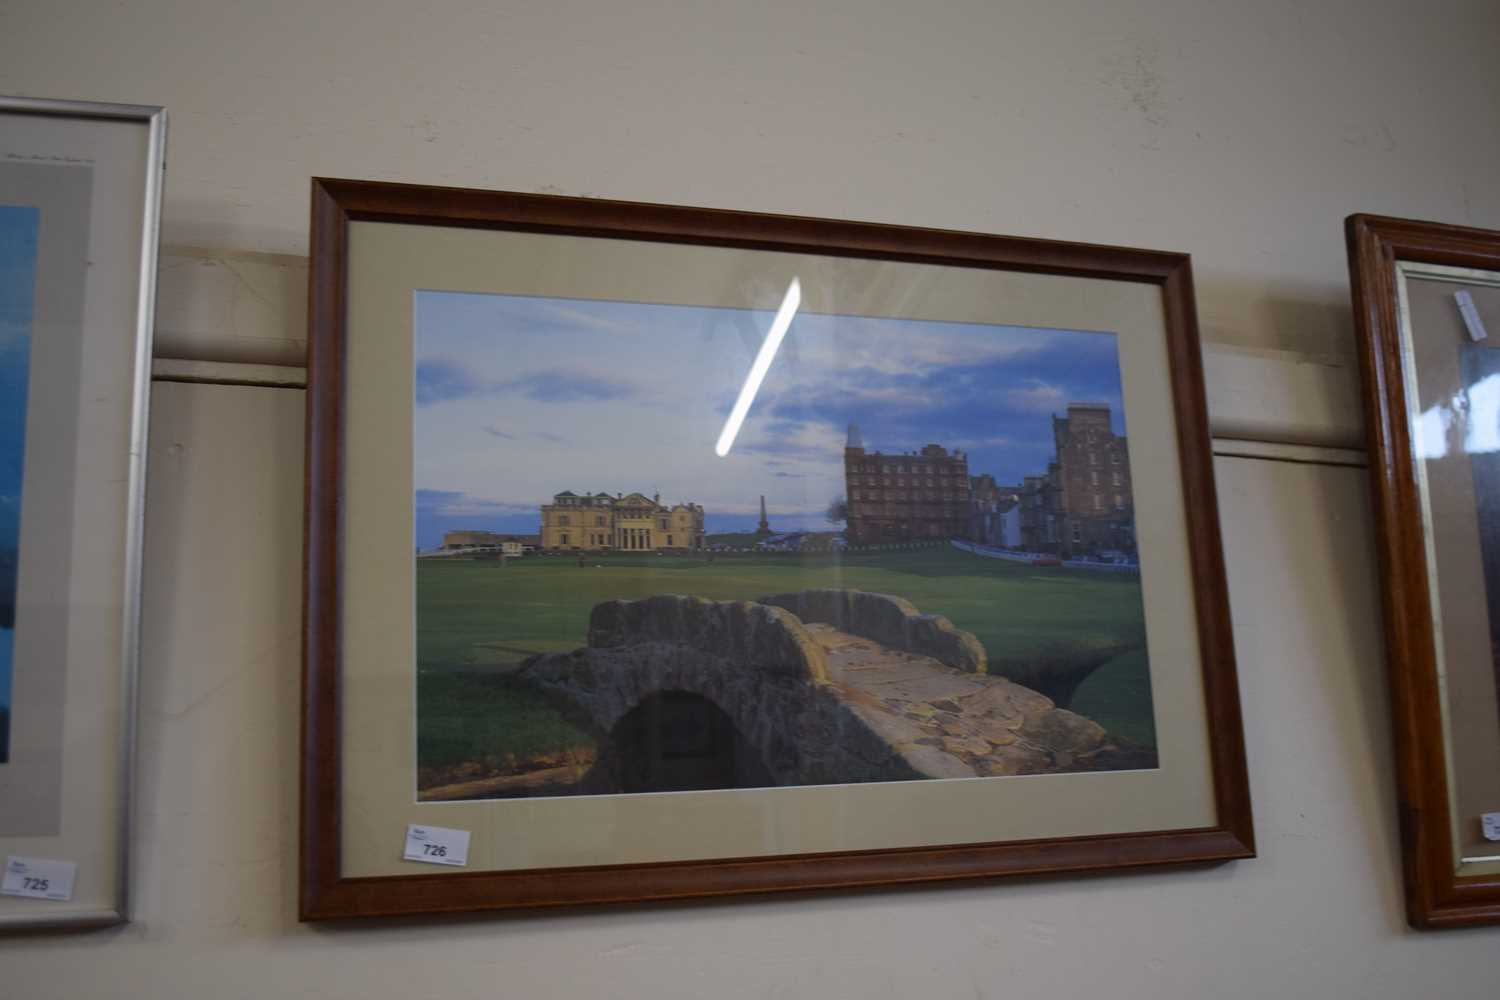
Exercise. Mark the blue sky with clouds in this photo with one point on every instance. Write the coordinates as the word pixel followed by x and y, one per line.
pixel 518 398
pixel 18 226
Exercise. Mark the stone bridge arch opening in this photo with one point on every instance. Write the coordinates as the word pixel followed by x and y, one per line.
pixel 678 740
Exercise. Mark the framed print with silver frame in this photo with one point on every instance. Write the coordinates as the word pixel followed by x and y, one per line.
pixel 80 197
pixel 1427 314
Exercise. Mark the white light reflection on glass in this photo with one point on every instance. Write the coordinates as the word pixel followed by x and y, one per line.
pixel 768 348
pixel 1483 435
pixel 1477 408
pixel 1432 431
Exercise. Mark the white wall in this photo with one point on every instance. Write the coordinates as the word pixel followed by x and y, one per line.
pixel 1241 132
pixel 1317 914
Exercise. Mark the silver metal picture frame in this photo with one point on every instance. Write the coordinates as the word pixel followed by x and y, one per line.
pixel 80 206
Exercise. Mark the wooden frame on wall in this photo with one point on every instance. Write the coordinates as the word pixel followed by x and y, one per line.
pixel 1422 362
pixel 377 248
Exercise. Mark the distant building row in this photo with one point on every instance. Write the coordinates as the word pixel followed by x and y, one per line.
pixel 1082 503
pixel 488 543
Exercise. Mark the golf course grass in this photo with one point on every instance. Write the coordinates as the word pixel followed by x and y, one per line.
pixel 477 619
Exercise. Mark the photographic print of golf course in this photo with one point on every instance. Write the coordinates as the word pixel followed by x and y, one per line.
pixel 915 559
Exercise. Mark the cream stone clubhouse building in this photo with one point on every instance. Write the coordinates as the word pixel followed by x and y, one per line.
pixel 624 523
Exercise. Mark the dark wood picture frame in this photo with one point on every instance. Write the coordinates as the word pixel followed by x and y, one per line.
pixel 327 894
pixel 1436 895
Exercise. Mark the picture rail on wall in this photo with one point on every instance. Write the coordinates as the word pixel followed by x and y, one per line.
pixel 780 549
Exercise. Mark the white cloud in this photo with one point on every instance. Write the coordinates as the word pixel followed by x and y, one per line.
pixel 985 442
pixel 888 348
pixel 1483 434
pixel 473 506
pixel 1037 397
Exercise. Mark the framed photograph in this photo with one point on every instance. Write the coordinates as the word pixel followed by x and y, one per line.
pixel 661 552
pixel 80 190
pixel 1427 311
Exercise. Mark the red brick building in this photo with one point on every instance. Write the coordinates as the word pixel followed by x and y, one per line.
pixel 905 497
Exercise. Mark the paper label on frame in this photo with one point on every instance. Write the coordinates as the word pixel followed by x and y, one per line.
pixel 436 845
pixel 1472 322
pixel 38 878
pixel 1490 824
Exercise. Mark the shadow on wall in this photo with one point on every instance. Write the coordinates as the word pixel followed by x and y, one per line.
pixel 1307 319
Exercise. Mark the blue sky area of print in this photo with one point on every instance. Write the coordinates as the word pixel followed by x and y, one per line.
pixel 519 398
pixel 18 230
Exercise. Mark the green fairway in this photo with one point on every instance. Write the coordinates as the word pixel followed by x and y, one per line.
pixel 482 617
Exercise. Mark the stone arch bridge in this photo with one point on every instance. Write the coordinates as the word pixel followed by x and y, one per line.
pixel 825 686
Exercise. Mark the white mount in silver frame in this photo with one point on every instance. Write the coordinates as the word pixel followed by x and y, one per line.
pixel 80 205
